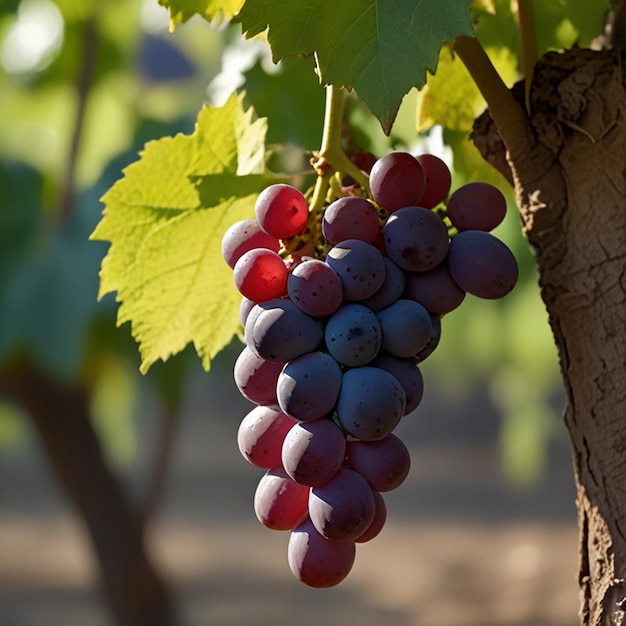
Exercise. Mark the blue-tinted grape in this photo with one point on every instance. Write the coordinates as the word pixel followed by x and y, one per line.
pixel 350 217
pixel 408 375
pixel 282 211
pixel 261 434
pixel 360 267
pixel 392 288
pixel 416 239
pixel 371 403
pixel 406 328
pixel 244 236
pixel 256 378
pixel 431 346
pixel 317 561
pixel 353 335
pixel 280 502
pixel 308 386
pixel 380 517
pixel 313 453
pixel 315 287
pixel 397 180
pixel 482 265
pixel 343 508
pixel 384 464
pixel 260 275
pixel 438 180
pixel 476 206
pixel 435 289
pixel 279 331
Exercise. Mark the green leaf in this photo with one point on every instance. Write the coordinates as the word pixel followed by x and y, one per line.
pixel 182 10
pixel 165 220
pixel 380 48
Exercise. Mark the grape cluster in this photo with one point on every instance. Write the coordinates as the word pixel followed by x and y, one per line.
pixel 333 344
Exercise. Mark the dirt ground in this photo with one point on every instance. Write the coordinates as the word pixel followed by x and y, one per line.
pixel 461 546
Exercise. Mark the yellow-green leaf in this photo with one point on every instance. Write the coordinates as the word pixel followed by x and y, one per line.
pixel 451 97
pixel 182 10
pixel 165 220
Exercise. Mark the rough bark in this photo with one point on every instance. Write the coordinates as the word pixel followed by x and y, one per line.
pixel 570 183
pixel 136 592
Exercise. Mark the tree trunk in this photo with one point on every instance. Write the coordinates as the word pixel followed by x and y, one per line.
pixel 570 184
pixel 136 592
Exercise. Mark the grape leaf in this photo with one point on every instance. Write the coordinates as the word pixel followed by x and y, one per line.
pixel 380 48
pixel 182 10
pixel 165 220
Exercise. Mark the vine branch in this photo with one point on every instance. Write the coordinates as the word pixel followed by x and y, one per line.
pixel 527 43
pixel 508 116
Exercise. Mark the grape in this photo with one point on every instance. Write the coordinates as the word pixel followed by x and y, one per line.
pixel 438 180
pixel 256 378
pixel 278 330
pixel 360 267
pixel 313 453
pixel 350 217
pixel 315 288
pixel 476 206
pixel 435 289
pixel 317 561
pixel 416 239
pixel 407 374
pixel 384 464
pixel 244 236
pixel 353 335
pixel 280 502
pixel 397 180
pixel 434 340
pixel 380 517
pixel 282 211
pixel 260 275
pixel 343 508
pixel 244 309
pixel 482 265
pixel 371 403
pixel 261 434
pixel 406 328
pixel 300 382
pixel 391 290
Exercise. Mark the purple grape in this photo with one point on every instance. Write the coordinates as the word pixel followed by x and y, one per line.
pixel 299 384
pixel 407 374
pixel 476 206
pixel 360 267
pixel 317 561
pixel 482 265
pixel 343 508
pixel 380 517
pixel 406 328
pixel 314 452
pixel 391 290
pixel 397 180
pixel 416 239
pixel 438 180
pixel 350 217
pixel 371 403
pixel 256 378
pixel 315 288
pixel 244 309
pixel 279 331
pixel 435 289
pixel 244 236
pixel 280 502
pixel 261 434
pixel 431 346
pixel 384 464
pixel 353 335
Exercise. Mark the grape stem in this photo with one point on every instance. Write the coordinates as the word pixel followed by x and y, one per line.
pixel 331 158
pixel 528 44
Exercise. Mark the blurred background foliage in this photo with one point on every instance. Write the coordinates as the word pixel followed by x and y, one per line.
pixel 68 127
